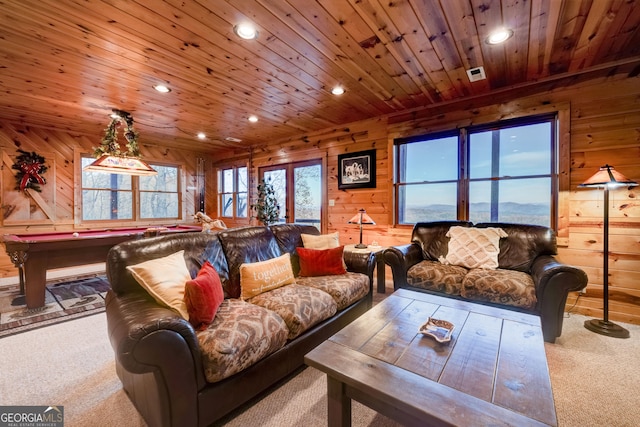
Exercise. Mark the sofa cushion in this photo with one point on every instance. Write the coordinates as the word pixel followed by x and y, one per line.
pixel 431 237
pixel 323 241
pixel 300 307
pixel 240 335
pixel 203 295
pixel 164 279
pixel 345 289
pixel 500 286
pixel 263 276
pixel 523 244
pixel 243 245
pixel 473 247
pixel 289 238
pixel 321 262
pixel 435 276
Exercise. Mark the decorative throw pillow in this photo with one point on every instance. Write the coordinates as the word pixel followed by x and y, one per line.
pixel 263 276
pixel 321 262
pixel 323 241
pixel 164 278
pixel 203 295
pixel 474 247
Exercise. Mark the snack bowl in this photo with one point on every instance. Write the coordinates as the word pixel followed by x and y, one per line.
pixel 438 329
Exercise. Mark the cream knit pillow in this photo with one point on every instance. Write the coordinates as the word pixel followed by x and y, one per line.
pixel 474 247
pixel 323 241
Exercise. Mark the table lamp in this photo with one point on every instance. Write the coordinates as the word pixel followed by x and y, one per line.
pixel 361 218
pixel 607 177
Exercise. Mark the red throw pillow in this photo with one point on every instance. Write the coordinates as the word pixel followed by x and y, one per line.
pixel 321 262
pixel 203 295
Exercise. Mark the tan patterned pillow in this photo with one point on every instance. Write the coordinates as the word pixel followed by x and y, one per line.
pixel 323 241
pixel 474 247
pixel 263 276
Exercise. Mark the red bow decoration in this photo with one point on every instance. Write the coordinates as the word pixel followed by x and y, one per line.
pixel 31 172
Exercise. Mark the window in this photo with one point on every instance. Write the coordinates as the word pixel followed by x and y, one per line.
pixel 298 188
pixel 501 172
pixel 114 196
pixel 159 193
pixel 232 190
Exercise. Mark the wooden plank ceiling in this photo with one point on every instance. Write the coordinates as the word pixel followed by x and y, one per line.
pixel 65 64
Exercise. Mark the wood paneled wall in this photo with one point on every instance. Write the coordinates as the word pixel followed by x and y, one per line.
pixel 600 122
pixel 57 207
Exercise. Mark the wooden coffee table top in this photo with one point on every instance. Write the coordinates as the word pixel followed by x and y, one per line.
pixel 493 372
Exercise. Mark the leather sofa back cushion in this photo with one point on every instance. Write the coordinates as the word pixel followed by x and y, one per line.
pixel 246 245
pixel 259 277
pixel 431 237
pixel 523 244
pixel 164 278
pixel 289 237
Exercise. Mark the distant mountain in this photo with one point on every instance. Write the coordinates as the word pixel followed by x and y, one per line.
pixel 506 207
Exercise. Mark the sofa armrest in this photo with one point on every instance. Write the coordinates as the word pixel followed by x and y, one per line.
pixel 400 259
pixel 554 281
pixel 361 262
pixel 149 339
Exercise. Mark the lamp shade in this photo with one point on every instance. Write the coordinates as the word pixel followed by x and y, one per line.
pixel 362 218
pixel 607 175
pixel 121 165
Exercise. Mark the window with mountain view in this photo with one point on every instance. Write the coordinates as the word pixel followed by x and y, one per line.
pixel 500 172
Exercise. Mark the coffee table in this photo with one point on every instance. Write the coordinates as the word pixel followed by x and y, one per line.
pixel 493 371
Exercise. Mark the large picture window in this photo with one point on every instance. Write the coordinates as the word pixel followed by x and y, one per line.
pixel 503 172
pixel 115 197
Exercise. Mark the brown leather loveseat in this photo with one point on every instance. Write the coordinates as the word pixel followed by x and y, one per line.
pixel 159 355
pixel 527 277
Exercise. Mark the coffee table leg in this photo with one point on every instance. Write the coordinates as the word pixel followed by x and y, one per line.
pixel 339 404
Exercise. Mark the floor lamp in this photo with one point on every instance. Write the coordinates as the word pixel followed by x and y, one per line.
pixel 361 218
pixel 607 177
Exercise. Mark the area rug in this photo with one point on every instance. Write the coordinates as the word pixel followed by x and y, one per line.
pixel 64 300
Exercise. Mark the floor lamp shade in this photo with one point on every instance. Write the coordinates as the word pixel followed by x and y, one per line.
pixel 361 218
pixel 608 178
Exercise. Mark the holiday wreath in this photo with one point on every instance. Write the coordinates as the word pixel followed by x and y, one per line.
pixel 30 167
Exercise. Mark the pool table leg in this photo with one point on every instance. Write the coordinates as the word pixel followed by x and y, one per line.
pixel 35 277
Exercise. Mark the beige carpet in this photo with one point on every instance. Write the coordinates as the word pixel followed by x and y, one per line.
pixel 595 380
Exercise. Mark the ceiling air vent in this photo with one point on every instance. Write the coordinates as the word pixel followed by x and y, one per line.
pixel 476 74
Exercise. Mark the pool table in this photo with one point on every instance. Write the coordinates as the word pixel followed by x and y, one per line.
pixel 34 254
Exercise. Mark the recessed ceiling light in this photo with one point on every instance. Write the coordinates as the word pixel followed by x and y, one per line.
pixel 498 36
pixel 253 118
pixel 338 90
pixel 162 88
pixel 201 135
pixel 246 31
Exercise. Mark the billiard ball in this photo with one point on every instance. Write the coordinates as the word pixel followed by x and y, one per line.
pixel 75 234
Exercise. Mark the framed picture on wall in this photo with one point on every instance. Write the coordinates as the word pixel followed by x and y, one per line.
pixel 357 170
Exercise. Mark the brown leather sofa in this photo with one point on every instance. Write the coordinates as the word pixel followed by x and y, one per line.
pixel 157 352
pixel 528 249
